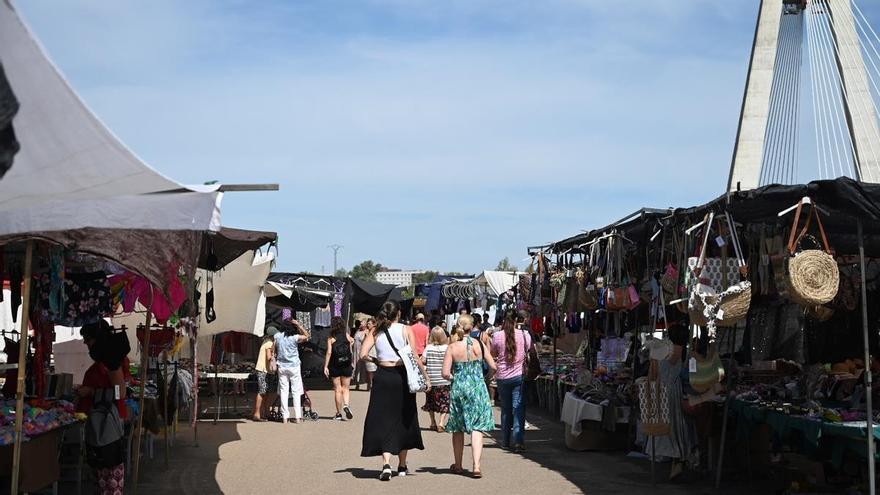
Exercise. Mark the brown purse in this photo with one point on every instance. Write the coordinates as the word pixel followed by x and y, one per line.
pixel 532 363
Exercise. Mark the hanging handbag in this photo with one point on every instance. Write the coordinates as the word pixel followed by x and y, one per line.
pixel 711 307
pixel 813 277
pixel 414 377
pixel 654 403
pixel 532 363
pixel 617 299
pixel 587 297
pixel 709 370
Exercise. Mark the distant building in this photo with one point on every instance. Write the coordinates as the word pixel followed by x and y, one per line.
pixel 400 278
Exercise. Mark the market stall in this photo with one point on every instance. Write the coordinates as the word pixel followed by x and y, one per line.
pixel 735 254
pixel 78 208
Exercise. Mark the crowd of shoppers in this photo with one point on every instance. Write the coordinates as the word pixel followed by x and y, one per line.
pixel 460 367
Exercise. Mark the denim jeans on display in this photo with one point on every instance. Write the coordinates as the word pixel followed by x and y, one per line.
pixel 513 410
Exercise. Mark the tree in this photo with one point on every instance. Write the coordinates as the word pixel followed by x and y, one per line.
pixel 365 270
pixel 505 266
pixel 424 278
pixel 341 273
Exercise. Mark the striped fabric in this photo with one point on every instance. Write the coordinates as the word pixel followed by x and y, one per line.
pixel 434 355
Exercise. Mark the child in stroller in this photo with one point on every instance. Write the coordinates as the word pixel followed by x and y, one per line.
pixel 308 412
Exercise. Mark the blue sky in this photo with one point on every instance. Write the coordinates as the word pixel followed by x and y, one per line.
pixel 417 133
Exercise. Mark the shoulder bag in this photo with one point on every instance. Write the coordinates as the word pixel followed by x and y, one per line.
pixel 414 377
pixel 104 432
pixel 531 362
pixel 486 369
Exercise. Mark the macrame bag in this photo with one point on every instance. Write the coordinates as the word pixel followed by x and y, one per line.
pixel 711 307
pixel 654 403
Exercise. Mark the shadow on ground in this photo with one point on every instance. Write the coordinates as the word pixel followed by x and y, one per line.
pixel 612 472
pixel 191 469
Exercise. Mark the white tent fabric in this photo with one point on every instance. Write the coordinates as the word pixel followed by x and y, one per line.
pixel 240 302
pixel 498 282
pixel 72 172
pixel 72 357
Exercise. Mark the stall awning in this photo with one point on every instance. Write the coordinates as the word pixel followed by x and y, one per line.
pixel 221 248
pixel 368 297
pixel 72 172
pixel 498 282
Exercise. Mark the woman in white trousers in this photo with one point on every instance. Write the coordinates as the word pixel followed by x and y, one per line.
pixel 289 373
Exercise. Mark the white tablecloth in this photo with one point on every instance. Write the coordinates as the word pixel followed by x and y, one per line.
pixel 228 376
pixel 575 410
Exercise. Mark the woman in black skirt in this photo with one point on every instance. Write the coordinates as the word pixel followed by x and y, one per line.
pixel 392 423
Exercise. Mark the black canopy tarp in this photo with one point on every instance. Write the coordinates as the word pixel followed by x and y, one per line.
pixel 366 296
pixel 8 108
pixel 229 244
pixel 844 199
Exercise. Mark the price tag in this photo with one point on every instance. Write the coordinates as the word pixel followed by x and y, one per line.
pixel 692 365
pixel 116 392
pixel 720 241
pixel 720 314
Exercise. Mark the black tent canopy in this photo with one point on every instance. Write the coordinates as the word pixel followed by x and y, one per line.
pixel 844 200
pixel 218 249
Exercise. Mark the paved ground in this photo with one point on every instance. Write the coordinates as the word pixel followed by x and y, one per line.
pixel 241 457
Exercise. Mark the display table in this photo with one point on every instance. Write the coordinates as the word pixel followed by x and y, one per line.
pixel 802 432
pixel 230 377
pixel 584 425
pixel 39 466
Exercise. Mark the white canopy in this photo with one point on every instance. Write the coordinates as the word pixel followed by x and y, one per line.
pixel 240 302
pixel 498 282
pixel 72 172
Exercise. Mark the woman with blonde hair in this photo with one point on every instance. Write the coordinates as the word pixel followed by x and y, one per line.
pixel 437 400
pixel 470 410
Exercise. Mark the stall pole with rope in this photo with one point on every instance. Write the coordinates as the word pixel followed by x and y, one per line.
pixel 138 431
pixel 22 364
pixel 868 379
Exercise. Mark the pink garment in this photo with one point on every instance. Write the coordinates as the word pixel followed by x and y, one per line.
pixel 507 370
pixel 421 332
pixel 137 289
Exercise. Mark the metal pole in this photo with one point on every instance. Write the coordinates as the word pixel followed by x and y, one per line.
pixel 138 431
pixel 726 409
pixel 165 406
pixel 22 364
pixel 195 390
pixel 335 248
pixel 868 380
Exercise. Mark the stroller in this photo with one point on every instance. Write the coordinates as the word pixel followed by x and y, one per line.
pixel 308 412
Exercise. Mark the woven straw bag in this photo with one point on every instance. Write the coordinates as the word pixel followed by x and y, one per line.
pixel 726 309
pixel 710 370
pixel 813 277
pixel 654 403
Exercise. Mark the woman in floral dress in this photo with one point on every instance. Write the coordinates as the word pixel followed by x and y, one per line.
pixel 470 409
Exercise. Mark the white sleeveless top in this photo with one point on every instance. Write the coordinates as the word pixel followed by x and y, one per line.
pixel 384 351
